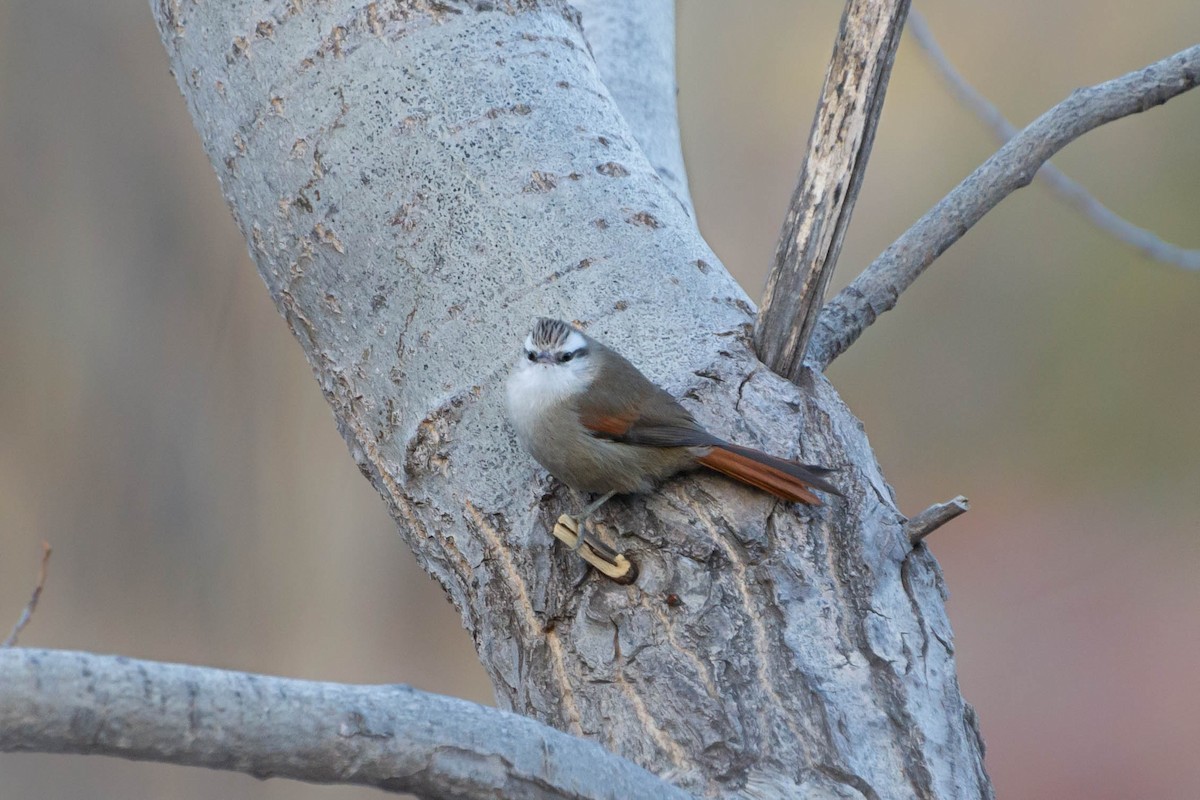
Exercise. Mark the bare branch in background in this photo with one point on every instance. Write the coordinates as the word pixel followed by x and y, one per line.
pixel 877 289
pixel 31 606
pixel 1144 241
pixel 838 148
pixel 934 517
pixel 394 738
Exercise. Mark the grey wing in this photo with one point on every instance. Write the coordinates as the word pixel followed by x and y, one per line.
pixel 629 408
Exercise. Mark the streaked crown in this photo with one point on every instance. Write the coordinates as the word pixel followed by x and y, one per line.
pixel 550 334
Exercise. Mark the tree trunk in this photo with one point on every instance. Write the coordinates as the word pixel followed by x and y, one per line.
pixel 416 181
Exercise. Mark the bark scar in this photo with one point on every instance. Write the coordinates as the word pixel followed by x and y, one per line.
pixel 524 609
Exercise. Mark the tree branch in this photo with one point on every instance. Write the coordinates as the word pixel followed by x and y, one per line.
pixel 877 289
pixel 934 517
pixel 393 738
pixel 838 148
pixel 1144 241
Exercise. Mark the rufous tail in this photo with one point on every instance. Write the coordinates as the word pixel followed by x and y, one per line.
pixel 787 480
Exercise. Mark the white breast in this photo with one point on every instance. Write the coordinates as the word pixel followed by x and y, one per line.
pixel 535 390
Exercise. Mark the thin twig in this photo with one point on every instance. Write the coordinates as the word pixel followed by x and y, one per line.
pixel 876 290
pixel 934 517
pixel 1144 241
pixel 31 606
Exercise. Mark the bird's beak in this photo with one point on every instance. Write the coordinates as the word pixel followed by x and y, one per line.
pixel 544 357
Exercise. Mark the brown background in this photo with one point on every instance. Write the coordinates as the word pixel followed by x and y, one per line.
pixel 161 429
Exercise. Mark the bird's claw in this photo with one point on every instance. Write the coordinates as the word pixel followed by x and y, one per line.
pixel 574 527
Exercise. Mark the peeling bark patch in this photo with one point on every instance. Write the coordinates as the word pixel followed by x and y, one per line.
pixel 256 235
pixel 411 122
pixel 645 219
pixel 428 452
pixel 405 217
pixel 373 20
pixel 612 169
pixel 583 264
pixel 239 48
pixel 327 236
pixel 563 40
pixel 333 43
pixel 519 109
pixel 169 12
pixel 437 11
pixel 496 112
pixel 300 324
pixel 738 303
pixel 540 182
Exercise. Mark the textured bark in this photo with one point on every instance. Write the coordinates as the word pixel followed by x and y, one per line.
pixel 393 738
pixel 416 180
pixel 839 146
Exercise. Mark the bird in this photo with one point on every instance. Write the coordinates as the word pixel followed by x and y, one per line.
pixel 595 422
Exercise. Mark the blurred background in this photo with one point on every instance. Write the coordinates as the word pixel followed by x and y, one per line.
pixel 161 429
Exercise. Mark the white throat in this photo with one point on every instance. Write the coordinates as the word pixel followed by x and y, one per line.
pixel 536 387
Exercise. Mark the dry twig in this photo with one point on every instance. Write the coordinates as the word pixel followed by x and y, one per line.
pixel 876 290
pixel 1142 240
pixel 934 517
pixel 836 160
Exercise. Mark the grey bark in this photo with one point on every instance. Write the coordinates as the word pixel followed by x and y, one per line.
pixel 876 290
pixel 416 180
pixel 634 47
pixel 394 738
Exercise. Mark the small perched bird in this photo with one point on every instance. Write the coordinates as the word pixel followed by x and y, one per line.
pixel 599 425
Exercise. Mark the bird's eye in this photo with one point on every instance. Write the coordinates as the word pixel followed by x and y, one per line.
pixel 566 357
pixel 531 356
